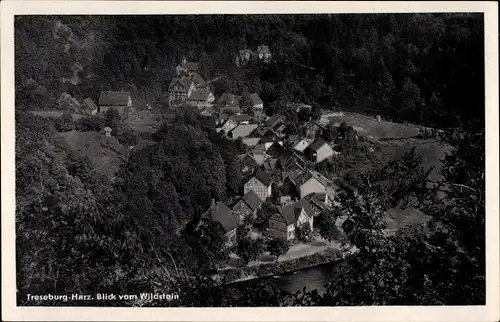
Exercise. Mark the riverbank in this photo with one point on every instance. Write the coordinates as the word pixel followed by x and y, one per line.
pixel 247 273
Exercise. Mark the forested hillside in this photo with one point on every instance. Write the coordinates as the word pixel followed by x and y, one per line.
pixel 84 227
pixel 422 68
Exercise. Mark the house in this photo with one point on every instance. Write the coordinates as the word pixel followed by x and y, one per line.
pixel 275 122
pixel 186 68
pixel 299 106
pixel 241 118
pixel 291 161
pixel 300 144
pixel 250 142
pixel 257 103
pixel 243 57
pixel 107 131
pixel 259 156
pixel 312 129
pixel 247 206
pixel 247 163
pixel 260 183
pixel 219 212
pixel 89 106
pixel 241 131
pixel 270 165
pixel 287 219
pixel 318 201
pixel 264 54
pixel 319 151
pixel 228 125
pixel 207 111
pixel 190 89
pixel 228 99
pixel 310 182
pixel 120 101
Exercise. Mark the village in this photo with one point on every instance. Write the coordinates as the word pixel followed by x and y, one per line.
pixel 277 169
pixel 284 190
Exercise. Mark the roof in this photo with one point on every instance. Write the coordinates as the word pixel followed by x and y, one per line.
pixel 199 95
pixel 208 110
pixel 274 120
pixel 114 98
pixel 221 213
pixel 288 214
pixel 252 200
pixel 318 143
pixel 228 99
pixel 289 174
pixel 254 97
pixel 233 109
pixel 263 177
pixel 242 130
pixel 263 48
pixel 259 157
pixel 90 103
pixel 305 176
pixel 304 204
pixel 240 118
pixel 271 164
pixel 250 141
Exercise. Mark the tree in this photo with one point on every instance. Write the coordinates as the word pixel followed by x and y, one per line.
pixel 90 123
pixel 327 227
pixel 266 210
pixel 246 104
pixel 128 138
pixel 303 233
pixel 249 249
pixel 277 247
pixel 65 123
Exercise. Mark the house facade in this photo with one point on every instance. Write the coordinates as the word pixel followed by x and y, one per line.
pixel 228 125
pixel 309 182
pixel 264 54
pixel 287 219
pixel 219 212
pixel 257 103
pixel 247 206
pixel 260 183
pixel 319 151
pixel 190 89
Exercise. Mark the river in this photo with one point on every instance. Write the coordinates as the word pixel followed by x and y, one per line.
pixel 316 277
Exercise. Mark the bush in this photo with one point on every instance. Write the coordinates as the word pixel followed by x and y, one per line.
pixel 303 233
pixel 91 123
pixel 128 138
pixel 64 123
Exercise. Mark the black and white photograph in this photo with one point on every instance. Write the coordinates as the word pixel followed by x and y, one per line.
pixel 232 160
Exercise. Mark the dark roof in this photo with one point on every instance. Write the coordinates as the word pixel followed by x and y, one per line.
pixel 318 143
pixel 254 97
pixel 242 131
pixel 263 177
pixel 304 204
pixel 305 176
pixel 288 214
pixel 289 174
pixel 233 109
pixel 274 120
pixel 90 103
pixel 221 213
pixel 252 200
pixel 114 98
pixel 199 95
pixel 240 118
pixel 228 99
pixel 271 164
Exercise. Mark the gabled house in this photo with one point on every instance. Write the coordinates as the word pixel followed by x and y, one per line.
pixel 228 99
pixel 186 67
pixel 275 122
pixel 260 183
pixel 247 163
pixel 319 151
pixel 241 131
pixel 190 89
pixel 301 144
pixel 264 54
pixel 120 101
pixel 310 182
pixel 318 201
pixel 257 103
pixel 250 142
pixel 287 219
pixel 247 206
pixel 291 161
pixel 228 125
pixel 219 212
pixel 312 129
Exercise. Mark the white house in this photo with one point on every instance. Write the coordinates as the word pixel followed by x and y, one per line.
pixel 260 183
pixel 282 224
pixel 319 151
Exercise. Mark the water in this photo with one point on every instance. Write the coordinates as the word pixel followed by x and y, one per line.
pixel 311 278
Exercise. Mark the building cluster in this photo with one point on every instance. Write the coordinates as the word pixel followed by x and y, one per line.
pixel 261 54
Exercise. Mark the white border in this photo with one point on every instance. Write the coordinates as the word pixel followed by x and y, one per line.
pixel 10 312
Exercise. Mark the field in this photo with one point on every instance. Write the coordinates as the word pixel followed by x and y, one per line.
pixel 105 153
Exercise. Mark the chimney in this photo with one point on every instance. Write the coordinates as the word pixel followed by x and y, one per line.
pixel 213 202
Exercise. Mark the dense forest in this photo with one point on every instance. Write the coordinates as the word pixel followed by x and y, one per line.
pixel 79 231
